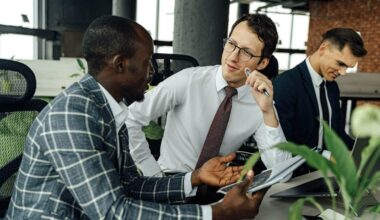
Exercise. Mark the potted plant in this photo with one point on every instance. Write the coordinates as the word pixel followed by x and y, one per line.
pixel 353 181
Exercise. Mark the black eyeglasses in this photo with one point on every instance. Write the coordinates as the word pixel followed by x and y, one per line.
pixel 244 53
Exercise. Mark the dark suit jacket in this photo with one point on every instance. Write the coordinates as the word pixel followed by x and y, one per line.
pixel 297 107
pixel 70 169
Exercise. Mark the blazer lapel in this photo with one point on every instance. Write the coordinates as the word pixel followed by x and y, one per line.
pixel 308 84
pixel 91 85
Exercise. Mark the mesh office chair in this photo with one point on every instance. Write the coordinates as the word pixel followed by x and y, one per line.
pixel 17 112
pixel 164 66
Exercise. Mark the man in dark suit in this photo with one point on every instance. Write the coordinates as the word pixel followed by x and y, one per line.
pixel 77 162
pixel 308 94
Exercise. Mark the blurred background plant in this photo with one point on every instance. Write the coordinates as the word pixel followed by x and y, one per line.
pixel 5 84
pixel 82 68
pixel 354 182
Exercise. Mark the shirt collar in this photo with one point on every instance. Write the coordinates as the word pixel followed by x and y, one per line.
pixel 220 83
pixel 315 77
pixel 119 110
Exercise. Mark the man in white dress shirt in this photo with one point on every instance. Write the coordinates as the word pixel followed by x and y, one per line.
pixel 192 96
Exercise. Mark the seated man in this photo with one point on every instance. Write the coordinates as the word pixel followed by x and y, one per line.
pixel 192 96
pixel 308 94
pixel 76 163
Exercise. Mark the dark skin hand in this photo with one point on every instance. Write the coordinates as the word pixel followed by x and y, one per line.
pixel 215 172
pixel 237 204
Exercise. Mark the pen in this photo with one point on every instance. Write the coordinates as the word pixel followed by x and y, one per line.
pixel 247 73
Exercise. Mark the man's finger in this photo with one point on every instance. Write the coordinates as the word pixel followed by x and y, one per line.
pixel 245 184
pixel 228 158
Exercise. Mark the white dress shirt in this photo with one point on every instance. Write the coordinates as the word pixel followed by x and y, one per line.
pixel 317 80
pixel 120 112
pixel 191 97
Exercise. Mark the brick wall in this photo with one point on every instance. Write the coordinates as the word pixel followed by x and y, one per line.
pixel 360 15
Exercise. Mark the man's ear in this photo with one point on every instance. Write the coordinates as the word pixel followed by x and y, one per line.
pixel 118 63
pixel 263 63
pixel 323 47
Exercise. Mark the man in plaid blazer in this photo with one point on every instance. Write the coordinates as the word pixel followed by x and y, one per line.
pixel 76 163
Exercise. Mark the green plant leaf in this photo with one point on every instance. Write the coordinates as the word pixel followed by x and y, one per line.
pixel 367 153
pixel 75 75
pixel 312 158
pixel 376 208
pixel 368 180
pixel 295 210
pixel 374 181
pixel 252 160
pixel 347 197
pixel 81 65
pixel 153 131
pixel 344 168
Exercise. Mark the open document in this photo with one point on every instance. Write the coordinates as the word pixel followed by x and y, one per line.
pixel 270 176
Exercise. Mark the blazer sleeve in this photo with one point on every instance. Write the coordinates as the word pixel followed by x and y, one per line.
pixel 75 144
pixel 285 101
pixel 341 122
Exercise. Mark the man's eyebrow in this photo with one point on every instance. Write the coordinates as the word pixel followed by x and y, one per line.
pixel 341 63
pixel 243 48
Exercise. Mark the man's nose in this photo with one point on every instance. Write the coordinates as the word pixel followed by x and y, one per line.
pixel 235 54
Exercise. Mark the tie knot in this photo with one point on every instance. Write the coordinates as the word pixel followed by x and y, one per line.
pixel 230 91
pixel 322 84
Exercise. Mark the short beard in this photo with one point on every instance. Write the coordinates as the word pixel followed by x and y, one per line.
pixel 129 100
pixel 139 98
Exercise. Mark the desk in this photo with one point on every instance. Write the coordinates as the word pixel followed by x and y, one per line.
pixel 358 86
pixel 278 209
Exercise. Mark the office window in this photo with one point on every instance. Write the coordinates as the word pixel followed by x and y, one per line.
pixel 17 13
pixel 158 19
pixel 292 28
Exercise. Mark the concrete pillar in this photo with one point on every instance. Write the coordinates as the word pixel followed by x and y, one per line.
pixel 124 8
pixel 199 29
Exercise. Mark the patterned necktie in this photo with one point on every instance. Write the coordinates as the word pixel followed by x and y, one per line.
pixel 325 109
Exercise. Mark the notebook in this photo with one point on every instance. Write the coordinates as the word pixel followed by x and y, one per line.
pixel 270 176
pixel 317 187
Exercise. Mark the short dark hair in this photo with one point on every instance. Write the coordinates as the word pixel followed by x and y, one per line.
pixel 265 29
pixel 346 36
pixel 107 36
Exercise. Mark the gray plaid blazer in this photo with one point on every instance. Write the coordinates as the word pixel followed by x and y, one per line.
pixel 69 168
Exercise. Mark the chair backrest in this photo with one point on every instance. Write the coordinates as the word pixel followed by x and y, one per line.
pixel 17 111
pixel 271 70
pixel 165 65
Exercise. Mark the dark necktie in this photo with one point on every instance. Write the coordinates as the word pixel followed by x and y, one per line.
pixel 212 144
pixel 325 109
pixel 217 129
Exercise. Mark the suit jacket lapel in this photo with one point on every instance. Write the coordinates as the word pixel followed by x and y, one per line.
pixel 308 84
pixel 91 85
